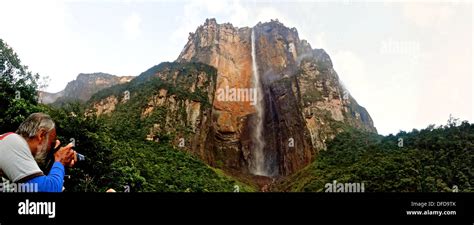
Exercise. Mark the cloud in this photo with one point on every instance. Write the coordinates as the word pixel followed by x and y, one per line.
pixel 239 15
pixel 131 25
pixel 236 12
pixel 192 17
pixel 268 13
pixel 428 15
pixel 37 31
pixel 215 6
pixel 398 93
pixel 320 41
pixel 352 70
pixel 376 90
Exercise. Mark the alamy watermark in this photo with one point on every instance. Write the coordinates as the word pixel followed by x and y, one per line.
pixel 227 94
pixel 411 49
pixel 37 208
pixel 344 187
pixel 6 186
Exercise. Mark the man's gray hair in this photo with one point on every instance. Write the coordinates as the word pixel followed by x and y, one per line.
pixel 34 123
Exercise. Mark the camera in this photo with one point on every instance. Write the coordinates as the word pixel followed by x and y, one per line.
pixel 80 157
pixel 50 159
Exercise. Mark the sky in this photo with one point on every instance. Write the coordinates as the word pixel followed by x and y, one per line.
pixel 409 63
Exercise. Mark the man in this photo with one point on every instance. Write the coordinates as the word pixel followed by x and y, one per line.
pixel 21 152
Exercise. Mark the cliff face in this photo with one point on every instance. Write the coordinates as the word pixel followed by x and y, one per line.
pixel 303 100
pixel 203 102
pixel 179 107
pixel 84 87
pixel 170 102
pixel 226 48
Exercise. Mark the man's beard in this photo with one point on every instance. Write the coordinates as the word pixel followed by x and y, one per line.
pixel 42 152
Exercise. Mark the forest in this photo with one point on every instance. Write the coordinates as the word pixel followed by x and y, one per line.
pixel 434 159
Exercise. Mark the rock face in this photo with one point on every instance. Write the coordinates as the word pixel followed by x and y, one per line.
pixel 85 85
pixel 170 102
pixel 180 107
pixel 229 50
pixel 305 104
pixel 203 102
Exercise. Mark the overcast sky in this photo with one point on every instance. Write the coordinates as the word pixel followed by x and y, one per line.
pixel 409 63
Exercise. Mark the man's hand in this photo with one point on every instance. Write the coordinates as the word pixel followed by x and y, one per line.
pixel 65 155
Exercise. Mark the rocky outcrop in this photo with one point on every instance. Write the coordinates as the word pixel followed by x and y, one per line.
pixel 305 104
pixel 180 109
pixel 85 85
pixel 170 102
pixel 226 48
pixel 203 104
pixel 48 98
pixel 106 105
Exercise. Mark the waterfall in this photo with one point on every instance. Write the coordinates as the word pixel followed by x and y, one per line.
pixel 257 166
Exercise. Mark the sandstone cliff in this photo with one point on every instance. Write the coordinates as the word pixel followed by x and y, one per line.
pixel 304 102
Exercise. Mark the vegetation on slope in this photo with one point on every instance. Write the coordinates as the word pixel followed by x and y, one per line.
pixel 435 159
pixel 430 160
pixel 115 158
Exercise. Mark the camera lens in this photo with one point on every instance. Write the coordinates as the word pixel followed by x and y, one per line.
pixel 80 157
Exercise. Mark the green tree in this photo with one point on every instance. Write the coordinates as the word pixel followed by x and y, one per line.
pixel 430 160
pixel 18 85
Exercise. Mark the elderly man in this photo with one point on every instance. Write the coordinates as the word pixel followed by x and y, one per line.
pixel 21 152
